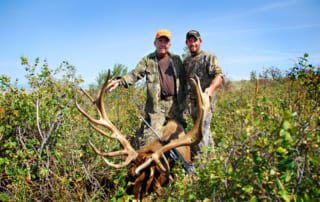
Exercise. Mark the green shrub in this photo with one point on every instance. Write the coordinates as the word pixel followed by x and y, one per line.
pixel 266 134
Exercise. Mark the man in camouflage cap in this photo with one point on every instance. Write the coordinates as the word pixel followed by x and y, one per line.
pixel 164 82
pixel 204 65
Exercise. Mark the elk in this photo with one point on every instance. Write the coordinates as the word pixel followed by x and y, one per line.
pixel 149 167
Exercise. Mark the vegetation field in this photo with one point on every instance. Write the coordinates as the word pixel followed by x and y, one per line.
pixel 266 132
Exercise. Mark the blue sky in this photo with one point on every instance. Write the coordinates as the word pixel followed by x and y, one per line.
pixel 94 35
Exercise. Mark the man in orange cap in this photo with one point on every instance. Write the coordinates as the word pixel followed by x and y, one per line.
pixel 165 83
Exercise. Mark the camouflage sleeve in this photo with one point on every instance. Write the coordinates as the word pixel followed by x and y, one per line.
pixel 183 85
pixel 136 74
pixel 213 67
pixel 218 71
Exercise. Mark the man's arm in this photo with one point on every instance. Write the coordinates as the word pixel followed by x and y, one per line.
pixel 216 82
pixel 183 85
pixel 132 77
pixel 216 70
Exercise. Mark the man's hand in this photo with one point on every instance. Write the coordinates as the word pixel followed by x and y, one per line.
pixel 209 91
pixel 216 82
pixel 113 84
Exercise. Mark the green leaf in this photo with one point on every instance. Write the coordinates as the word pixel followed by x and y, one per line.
pixel 286 125
pixel 43 171
pixel 283 192
pixel 288 137
pixel 282 150
pixel 272 172
pixel 4 161
pixel 288 176
pixel 248 189
pixel 24 60
pixel 253 199
pixel 4 197
pixel 282 132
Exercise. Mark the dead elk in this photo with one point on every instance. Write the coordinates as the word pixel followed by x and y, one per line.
pixel 149 167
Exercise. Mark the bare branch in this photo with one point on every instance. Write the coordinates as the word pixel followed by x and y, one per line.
pixel 37 115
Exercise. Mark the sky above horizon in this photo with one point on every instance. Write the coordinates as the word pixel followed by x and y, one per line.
pixel 95 35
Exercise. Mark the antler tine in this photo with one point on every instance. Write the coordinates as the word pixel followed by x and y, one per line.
pixel 202 100
pixel 131 155
pixel 192 137
pixel 121 165
pixel 99 101
pixel 106 123
pixel 109 154
pixel 146 164
pixel 86 114
pixel 165 168
pixel 87 94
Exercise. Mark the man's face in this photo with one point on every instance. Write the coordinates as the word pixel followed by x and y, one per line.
pixel 162 45
pixel 193 44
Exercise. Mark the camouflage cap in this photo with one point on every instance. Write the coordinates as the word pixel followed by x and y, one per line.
pixel 193 33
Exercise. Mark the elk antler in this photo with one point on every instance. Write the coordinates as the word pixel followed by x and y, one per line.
pixel 191 138
pixel 106 123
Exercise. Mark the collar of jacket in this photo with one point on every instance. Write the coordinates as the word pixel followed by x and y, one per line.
pixel 200 53
pixel 154 54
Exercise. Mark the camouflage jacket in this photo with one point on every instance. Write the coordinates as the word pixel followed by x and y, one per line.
pixel 148 67
pixel 203 65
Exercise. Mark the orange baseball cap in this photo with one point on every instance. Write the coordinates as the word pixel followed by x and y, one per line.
pixel 163 32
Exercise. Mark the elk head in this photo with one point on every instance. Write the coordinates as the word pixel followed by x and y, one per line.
pixel 149 167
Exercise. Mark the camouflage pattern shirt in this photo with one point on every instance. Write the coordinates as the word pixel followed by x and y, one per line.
pixel 205 66
pixel 148 67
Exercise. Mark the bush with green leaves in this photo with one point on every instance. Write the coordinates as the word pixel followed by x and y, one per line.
pixel 266 134
pixel 267 144
pixel 44 150
pixel 33 123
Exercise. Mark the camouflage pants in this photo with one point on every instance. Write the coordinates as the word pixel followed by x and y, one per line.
pixel 168 110
pixel 207 139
